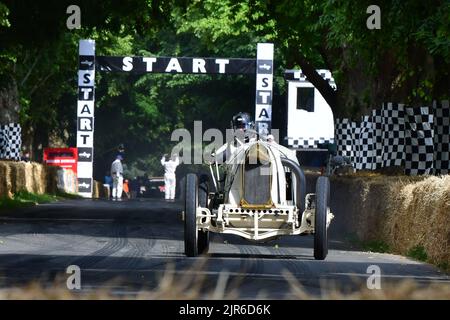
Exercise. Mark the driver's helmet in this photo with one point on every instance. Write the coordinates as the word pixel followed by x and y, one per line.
pixel 242 120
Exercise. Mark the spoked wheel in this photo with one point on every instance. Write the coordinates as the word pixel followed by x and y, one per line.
pixel 203 236
pixel 195 241
pixel 320 219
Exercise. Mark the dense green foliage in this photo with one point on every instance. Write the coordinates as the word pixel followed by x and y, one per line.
pixel 406 61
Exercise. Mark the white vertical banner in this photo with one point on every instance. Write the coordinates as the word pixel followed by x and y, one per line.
pixel 264 85
pixel 85 116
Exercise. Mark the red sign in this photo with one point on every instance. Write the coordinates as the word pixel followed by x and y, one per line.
pixel 62 157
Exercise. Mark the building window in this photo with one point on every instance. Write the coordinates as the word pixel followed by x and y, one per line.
pixel 305 99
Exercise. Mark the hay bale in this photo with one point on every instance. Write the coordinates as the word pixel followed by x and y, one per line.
pixel 18 176
pixel 419 215
pixel 346 205
pixel 404 212
pixel 39 178
pixel 32 177
pixel 50 176
pixel 373 210
pixel 36 185
pixel 356 202
pixel 95 190
pixel 66 181
pixel 4 176
pixel 99 190
pixel 30 181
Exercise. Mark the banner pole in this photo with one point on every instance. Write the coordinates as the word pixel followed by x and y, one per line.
pixel 85 117
pixel 264 88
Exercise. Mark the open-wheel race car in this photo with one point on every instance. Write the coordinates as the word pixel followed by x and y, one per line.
pixel 260 194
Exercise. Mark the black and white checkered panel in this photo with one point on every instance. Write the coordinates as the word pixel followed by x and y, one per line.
pixel 307 143
pixel 419 149
pixel 298 75
pixel 393 134
pixel 326 74
pixel 377 136
pixel 345 138
pixel 356 132
pixel 15 139
pixel 441 137
pixel 364 145
pixel 10 141
pixel 4 142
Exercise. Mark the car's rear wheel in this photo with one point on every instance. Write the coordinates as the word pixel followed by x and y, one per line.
pixel 320 219
pixel 190 220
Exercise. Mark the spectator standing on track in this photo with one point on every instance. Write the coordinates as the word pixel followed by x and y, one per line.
pixel 134 188
pixel 126 188
pixel 25 157
pixel 170 165
pixel 108 183
pixel 117 175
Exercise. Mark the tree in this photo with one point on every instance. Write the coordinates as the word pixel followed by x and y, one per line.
pixel 406 61
pixel 37 75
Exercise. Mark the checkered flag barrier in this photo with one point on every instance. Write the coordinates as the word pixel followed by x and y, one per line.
pixel 307 143
pixel 4 142
pixel 377 136
pixel 393 134
pixel 345 138
pixel 364 145
pixel 419 147
pixel 356 141
pixel 441 137
pixel 417 139
pixel 10 141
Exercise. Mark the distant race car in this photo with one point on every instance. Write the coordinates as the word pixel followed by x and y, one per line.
pixel 154 188
pixel 259 194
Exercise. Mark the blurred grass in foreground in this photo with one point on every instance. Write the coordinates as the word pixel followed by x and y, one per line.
pixel 406 290
pixel 193 284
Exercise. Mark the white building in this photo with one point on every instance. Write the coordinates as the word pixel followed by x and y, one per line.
pixel 309 120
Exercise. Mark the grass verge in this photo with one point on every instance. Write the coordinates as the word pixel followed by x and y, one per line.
pixel 369 245
pixel 24 199
pixel 416 253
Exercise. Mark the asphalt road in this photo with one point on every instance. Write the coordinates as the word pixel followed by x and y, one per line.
pixel 136 243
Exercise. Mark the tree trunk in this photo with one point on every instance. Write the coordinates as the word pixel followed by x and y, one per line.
pixel 9 102
pixel 328 93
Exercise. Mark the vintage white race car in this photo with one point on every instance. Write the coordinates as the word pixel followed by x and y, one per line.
pixel 260 194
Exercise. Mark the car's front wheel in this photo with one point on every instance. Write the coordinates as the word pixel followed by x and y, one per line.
pixel 190 219
pixel 203 236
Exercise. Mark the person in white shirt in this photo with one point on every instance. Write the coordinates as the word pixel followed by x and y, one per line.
pixel 117 175
pixel 170 165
